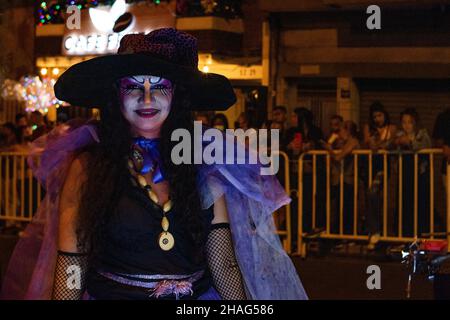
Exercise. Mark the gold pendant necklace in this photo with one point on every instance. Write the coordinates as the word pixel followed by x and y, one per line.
pixel 166 240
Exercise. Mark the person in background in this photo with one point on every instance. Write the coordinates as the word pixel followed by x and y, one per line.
pixel 61 118
pixel 24 130
pixel 38 124
pixel 378 134
pixel 441 281
pixel 446 151
pixel 24 137
pixel 203 117
pixel 21 120
pixel 303 135
pixel 246 120
pixel 278 122
pixel 220 121
pixel 446 146
pixel 279 116
pixel 272 125
pixel 275 125
pixel 9 136
pixel 348 135
pixel 411 137
pixel 440 135
pixel 336 124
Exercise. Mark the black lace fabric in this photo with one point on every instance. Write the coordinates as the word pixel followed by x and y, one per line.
pixel 222 263
pixel 70 276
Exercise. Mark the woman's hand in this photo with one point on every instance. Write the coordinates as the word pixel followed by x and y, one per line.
pixel 403 140
pixel 326 145
pixel 308 146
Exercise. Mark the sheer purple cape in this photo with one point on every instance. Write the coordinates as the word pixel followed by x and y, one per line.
pixel 251 198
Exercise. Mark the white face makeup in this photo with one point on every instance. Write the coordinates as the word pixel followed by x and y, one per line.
pixel 145 102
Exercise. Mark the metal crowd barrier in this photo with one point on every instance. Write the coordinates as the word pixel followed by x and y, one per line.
pixel 387 156
pixel 9 108
pixel 20 193
pixel 283 215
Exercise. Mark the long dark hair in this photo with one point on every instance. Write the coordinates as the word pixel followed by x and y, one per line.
pixel 107 170
pixel 305 120
pixel 222 117
pixel 377 106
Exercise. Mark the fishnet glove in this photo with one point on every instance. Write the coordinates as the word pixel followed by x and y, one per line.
pixel 222 263
pixel 70 276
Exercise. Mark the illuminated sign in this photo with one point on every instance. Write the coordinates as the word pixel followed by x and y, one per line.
pixel 104 20
pixel 103 27
pixel 95 43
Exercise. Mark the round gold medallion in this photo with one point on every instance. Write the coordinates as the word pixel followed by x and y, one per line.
pixel 166 241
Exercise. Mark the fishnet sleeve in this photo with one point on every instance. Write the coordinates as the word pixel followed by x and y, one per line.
pixel 70 276
pixel 222 263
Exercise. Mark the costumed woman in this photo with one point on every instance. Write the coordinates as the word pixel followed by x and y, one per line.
pixel 120 219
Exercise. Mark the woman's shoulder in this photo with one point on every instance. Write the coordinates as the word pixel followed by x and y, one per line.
pixel 81 160
pixel 422 132
pixel 355 142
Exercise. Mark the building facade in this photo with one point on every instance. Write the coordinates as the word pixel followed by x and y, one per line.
pixel 323 56
pixel 229 41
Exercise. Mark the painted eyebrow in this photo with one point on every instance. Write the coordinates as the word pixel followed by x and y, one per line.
pixel 137 80
pixel 158 80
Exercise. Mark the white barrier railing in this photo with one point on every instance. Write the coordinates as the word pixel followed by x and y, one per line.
pixel 282 216
pixel 20 193
pixel 387 158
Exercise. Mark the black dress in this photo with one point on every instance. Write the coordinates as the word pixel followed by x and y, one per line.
pixel 130 247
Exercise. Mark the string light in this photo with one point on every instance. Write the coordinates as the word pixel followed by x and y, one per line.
pixel 52 11
pixel 37 94
pixel 10 90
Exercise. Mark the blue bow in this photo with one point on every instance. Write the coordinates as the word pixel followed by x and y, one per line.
pixel 152 157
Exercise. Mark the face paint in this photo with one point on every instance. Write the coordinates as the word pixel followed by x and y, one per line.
pixel 145 103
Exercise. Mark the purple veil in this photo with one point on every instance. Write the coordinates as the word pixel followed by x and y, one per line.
pixel 251 198
pixel 31 267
